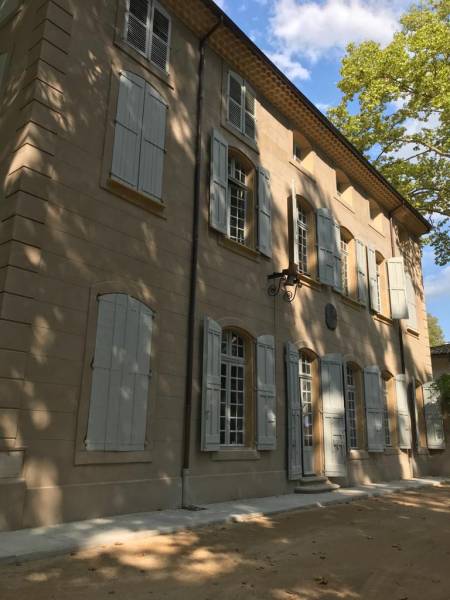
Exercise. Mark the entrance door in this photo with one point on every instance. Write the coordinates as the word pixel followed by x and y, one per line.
pixel 306 399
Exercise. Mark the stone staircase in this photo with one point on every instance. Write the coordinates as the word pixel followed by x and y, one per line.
pixel 315 484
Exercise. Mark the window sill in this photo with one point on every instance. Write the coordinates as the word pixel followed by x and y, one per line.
pixel 391 451
pixel 238 248
pixel 344 202
pixel 252 144
pixel 380 233
pixel 382 319
pixel 349 301
pixel 298 165
pixel 144 62
pixel 235 454
pixel 85 457
pixel 148 203
pixel 310 282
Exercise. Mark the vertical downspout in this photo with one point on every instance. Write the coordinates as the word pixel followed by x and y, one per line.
pixel 193 271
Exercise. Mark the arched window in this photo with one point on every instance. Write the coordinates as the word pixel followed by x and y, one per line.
pixel 232 389
pixel 241 206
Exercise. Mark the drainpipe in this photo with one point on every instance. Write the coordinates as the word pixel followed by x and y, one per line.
pixel 193 270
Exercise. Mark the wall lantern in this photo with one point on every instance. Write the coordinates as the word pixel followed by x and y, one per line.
pixel 287 282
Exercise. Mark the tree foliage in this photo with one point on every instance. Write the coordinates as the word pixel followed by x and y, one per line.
pixel 435 332
pixel 396 110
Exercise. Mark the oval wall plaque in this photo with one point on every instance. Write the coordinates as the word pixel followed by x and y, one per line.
pixel 331 316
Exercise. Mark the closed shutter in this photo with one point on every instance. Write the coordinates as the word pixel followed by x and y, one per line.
pixel 294 413
pixel 411 298
pixel 235 100
pixel 212 338
pixel 266 431
pixel 403 416
pixel 373 398
pixel 294 256
pixel 128 129
pixel 218 202
pixel 333 404
pixel 374 292
pixel 397 288
pixel 325 242
pixel 361 269
pixel 160 37
pixel 433 416
pixel 153 144
pixel 3 61
pixel 264 213
pixel 137 25
pixel 249 116
pixel 120 377
pixel 337 256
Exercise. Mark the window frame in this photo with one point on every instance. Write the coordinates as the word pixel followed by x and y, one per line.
pixel 249 187
pixel 311 238
pixel 352 411
pixel 245 87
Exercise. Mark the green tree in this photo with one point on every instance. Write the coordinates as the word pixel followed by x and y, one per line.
pixel 395 109
pixel 435 332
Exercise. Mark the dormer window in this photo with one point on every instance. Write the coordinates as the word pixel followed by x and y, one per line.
pixel 147 30
pixel 241 105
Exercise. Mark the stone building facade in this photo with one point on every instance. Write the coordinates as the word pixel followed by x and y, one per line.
pixel 155 170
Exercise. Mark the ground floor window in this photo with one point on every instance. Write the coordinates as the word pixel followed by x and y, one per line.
pixel 306 399
pixel 232 390
pixel 351 407
pixel 387 431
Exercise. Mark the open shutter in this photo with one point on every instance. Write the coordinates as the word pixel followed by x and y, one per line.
pixel 333 416
pixel 294 413
pixel 264 213
pixel 128 129
pixel 397 288
pixel 403 416
pixel 411 298
pixel 218 202
pixel 373 397
pixel 361 268
pixel 337 256
pixel 3 61
pixel 153 143
pixel 433 416
pixel 294 257
pixel 249 116
pixel 266 436
pixel 160 37
pixel 212 339
pixel 120 377
pixel 373 279
pixel 137 25
pixel 235 100
pixel 325 246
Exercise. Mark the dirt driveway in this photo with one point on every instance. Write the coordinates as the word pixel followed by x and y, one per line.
pixel 392 548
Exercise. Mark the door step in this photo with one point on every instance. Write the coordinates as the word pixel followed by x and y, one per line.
pixel 315 484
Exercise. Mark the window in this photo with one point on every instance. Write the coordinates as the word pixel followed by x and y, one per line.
pixel 139 138
pixel 387 430
pixel 302 151
pixel 342 183
pixel 376 215
pixel 351 407
pixel 302 240
pixel 302 236
pixel 147 30
pixel 241 105
pixel 238 192
pixel 120 375
pixel 232 390
pixel 382 285
pixel 305 375
pixel 344 267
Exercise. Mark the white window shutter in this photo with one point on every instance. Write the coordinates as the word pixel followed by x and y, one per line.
pixel 266 431
pixel 403 416
pixel 3 61
pixel 264 213
pixel 160 37
pixel 219 200
pixel 433 416
pixel 397 288
pixel 325 246
pixel 137 25
pixel 293 241
pixel 361 269
pixel 249 113
pixel 373 398
pixel 337 256
pixel 128 129
pixel 236 100
pixel 212 339
pixel 151 164
pixel 120 377
pixel 373 279
pixel 412 303
pixel 335 447
pixel 294 416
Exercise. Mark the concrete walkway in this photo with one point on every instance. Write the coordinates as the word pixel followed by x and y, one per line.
pixel 31 544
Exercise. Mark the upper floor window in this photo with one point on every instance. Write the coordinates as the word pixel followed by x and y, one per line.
pixel 241 105
pixel 302 151
pixel 239 194
pixel 302 240
pixel 302 251
pixel 342 182
pixel 147 30
pixel 376 215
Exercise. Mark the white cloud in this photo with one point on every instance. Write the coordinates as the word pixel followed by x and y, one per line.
pixel 292 68
pixel 438 284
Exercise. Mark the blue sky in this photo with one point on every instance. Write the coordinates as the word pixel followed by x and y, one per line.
pixel 307 39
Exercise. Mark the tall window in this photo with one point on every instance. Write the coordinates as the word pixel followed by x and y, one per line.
pixel 351 407
pixel 147 30
pixel 306 398
pixel 302 240
pixel 387 431
pixel 238 200
pixel 232 390
pixel 241 105
pixel 344 267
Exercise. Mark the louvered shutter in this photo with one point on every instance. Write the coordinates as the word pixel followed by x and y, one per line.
pixel 160 37
pixel 337 256
pixel 266 431
pixel 293 233
pixel 433 416
pixel 120 377
pixel 403 416
pixel 294 416
pixel 411 298
pixel 361 269
pixel 219 199
pixel 397 288
pixel 373 398
pixel 153 144
pixel 250 110
pixel 138 25
pixel 212 338
pixel 128 129
pixel 3 60
pixel 325 242
pixel 235 100
pixel 374 292
pixel 264 213
pixel 333 416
